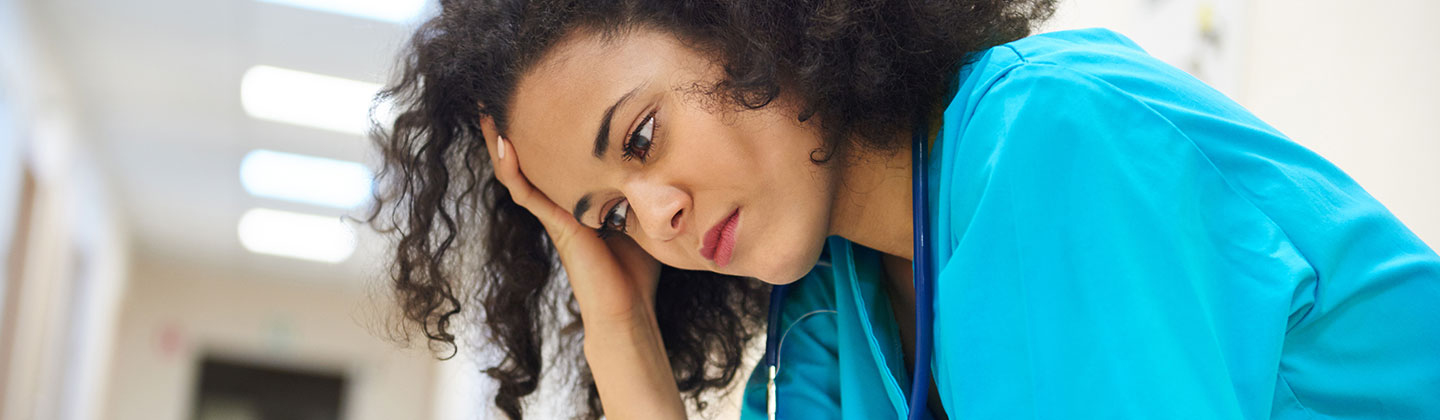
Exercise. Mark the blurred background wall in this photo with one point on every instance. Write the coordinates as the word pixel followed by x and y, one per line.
pixel 140 280
pixel 129 291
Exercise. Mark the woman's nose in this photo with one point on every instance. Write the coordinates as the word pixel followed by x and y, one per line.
pixel 662 208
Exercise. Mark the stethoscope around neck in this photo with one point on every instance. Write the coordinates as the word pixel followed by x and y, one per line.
pixel 924 294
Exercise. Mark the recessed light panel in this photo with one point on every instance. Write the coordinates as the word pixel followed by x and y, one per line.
pixel 305 179
pixel 296 235
pixel 308 99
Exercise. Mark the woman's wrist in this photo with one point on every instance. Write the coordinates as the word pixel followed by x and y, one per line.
pixel 614 316
pixel 627 329
pixel 631 368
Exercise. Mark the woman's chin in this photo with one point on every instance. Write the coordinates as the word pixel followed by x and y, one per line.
pixel 784 269
pixel 786 274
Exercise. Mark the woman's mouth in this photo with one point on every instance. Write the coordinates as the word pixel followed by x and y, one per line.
pixel 719 242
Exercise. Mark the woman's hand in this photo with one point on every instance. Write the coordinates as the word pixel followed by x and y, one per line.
pixel 613 279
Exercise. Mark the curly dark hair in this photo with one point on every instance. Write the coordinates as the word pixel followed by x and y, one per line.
pixel 864 69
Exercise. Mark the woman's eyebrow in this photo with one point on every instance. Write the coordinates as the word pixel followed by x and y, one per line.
pixel 581 207
pixel 602 136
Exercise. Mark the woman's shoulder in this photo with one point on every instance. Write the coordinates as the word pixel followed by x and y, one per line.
pixel 1054 71
pixel 1094 53
pixel 1088 65
pixel 1062 45
pixel 1077 48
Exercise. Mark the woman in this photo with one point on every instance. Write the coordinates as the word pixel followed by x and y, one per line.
pixel 1112 238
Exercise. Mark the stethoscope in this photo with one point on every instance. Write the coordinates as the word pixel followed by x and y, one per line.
pixel 924 292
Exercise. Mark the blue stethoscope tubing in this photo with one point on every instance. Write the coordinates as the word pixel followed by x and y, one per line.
pixel 924 292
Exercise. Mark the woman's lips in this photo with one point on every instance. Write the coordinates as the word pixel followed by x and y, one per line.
pixel 719 242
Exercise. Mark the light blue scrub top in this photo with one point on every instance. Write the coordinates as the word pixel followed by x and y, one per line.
pixel 1115 239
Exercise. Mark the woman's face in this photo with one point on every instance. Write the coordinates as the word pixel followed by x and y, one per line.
pixel 616 131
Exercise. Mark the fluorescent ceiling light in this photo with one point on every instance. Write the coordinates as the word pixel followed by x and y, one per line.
pixel 305 179
pixel 396 11
pixel 309 99
pixel 296 235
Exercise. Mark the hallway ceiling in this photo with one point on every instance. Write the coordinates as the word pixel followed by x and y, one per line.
pixel 156 84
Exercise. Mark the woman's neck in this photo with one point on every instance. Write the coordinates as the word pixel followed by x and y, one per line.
pixel 872 201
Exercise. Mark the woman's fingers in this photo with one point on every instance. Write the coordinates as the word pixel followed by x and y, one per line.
pixel 507 170
pixel 559 223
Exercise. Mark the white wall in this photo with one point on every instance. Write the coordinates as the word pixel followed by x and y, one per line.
pixel 1358 82
pixel 77 248
pixel 175 314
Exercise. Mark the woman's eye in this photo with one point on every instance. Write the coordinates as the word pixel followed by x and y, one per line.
pixel 615 220
pixel 638 145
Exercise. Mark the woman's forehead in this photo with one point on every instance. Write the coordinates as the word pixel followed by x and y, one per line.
pixel 561 105
pixel 585 72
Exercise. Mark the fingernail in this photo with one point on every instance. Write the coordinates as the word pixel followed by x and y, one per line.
pixel 501 146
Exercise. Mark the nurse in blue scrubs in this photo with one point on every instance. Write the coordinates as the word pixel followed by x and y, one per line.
pixel 1110 237
pixel 1115 239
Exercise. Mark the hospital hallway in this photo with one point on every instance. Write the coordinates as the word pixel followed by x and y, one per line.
pixel 183 186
